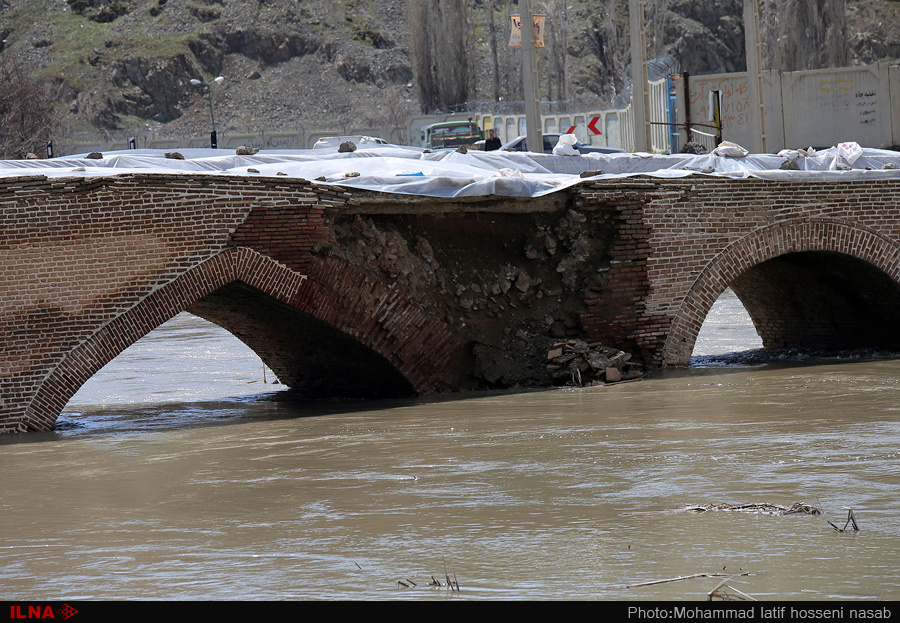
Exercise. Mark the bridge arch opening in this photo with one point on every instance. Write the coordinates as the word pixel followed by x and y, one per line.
pixel 726 329
pixel 812 284
pixel 186 359
pixel 305 354
pixel 821 300
pixel 308 355
pixel 325 338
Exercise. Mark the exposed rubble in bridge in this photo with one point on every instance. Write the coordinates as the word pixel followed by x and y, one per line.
pixel 512 281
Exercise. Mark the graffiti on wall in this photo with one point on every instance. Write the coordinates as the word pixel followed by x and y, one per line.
pixel 735 100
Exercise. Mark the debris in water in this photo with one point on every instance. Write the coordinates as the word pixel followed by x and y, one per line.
pixel 851 520
pixel 452 585
pixel 693 576
pixel 797 508
pixel 721 593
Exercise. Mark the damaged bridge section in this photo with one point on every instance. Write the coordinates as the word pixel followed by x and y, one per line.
pixel 355 293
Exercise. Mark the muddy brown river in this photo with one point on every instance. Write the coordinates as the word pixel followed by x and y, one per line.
pixel 173 477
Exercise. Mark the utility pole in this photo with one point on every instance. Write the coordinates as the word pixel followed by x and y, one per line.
pixel 529 80
pixel 754 77
pixel 640 96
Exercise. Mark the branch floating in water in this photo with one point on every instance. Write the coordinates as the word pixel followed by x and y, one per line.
pixel 693 576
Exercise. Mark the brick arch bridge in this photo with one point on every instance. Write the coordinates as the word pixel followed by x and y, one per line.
pixel 358 293
pixel 312 334
pixel 787 276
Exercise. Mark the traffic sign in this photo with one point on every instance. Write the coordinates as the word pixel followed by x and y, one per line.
pixel 515 34
pixel 592 126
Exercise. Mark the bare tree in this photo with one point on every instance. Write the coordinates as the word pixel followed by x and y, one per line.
pixel 28 117
pixel 656 13
pixel 513 60
pixel 564 48
pixel 804 34
pixel 556 29
pixel 439 48
pixel 616 49
pixel 548 58
pixel 836 46
pixel 768 32
pixel 511 86
pixel 394 110
pixel 495 61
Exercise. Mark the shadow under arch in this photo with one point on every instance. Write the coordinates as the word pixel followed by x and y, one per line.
pixel 239 288
pixel 305 353
pixel 813 283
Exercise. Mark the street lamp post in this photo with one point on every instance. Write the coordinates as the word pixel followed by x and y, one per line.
pixel 208 85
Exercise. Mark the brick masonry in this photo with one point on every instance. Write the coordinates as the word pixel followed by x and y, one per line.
pixel 681 242
pixel 91 265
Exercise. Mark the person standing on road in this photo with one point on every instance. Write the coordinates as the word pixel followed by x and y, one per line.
pixel 492 143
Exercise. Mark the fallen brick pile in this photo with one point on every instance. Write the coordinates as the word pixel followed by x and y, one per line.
pixel 575 362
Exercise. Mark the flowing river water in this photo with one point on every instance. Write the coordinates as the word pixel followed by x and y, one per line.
pixel 160 484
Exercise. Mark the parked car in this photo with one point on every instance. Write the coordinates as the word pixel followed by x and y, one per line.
pixel 550 140
pixel 451 134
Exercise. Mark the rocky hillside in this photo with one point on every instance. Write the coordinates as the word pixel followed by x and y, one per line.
pixel 331 64
pixel 120 63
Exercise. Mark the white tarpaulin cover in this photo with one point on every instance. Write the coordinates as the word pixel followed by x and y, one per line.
pixel 448 173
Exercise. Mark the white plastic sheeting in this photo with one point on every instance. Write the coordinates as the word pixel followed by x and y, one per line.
pixel 448 173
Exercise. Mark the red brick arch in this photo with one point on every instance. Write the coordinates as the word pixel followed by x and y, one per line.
pixel 762 245
pixel 334 292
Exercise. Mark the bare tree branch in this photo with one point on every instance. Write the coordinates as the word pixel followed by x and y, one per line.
pixel 438 45
pixel 28 117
